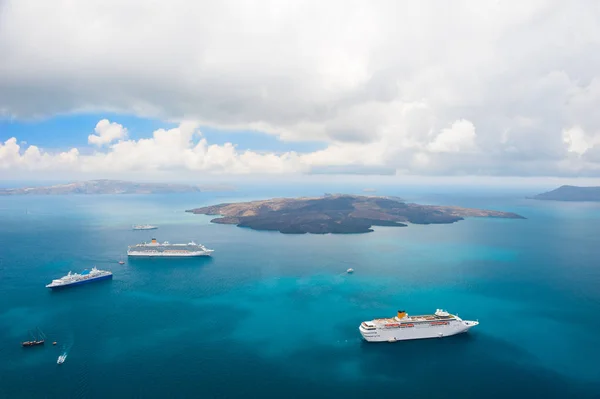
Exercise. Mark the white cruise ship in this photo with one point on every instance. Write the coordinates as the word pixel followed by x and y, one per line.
pixel 87 276
pixel 156 249
pixel 405 327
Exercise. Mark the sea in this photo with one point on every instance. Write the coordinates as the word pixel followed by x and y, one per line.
pixel 271 315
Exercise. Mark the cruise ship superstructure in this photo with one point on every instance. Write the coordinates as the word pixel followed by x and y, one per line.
pixel 405 327
pixel 87 276
pixel 165 249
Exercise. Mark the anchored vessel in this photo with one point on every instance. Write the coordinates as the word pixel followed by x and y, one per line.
pixel 405 327
pixel 39 340
pixel 87 276
pixel 154 248
pixel 144 227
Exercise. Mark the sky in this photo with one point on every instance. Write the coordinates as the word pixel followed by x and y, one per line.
pixel 405 89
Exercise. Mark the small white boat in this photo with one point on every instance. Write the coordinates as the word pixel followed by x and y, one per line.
pixel 61 358
pixel 350 271
pixel 144 227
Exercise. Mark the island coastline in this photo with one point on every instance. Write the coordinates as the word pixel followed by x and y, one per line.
pixel 105 186
pixel 338 214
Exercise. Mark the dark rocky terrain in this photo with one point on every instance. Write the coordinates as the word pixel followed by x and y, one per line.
pixel 337 214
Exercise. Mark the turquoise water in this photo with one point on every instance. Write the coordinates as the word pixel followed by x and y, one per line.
pixel 274 315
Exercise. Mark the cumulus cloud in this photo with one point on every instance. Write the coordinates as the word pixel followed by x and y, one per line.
pixel 470 86
pixel 183 149
pixel 33 159
pixel 460 137
pixel 178 149
pixel 107 132
pixel 578 141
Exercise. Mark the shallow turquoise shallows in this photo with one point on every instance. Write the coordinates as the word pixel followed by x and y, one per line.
pixel 277 316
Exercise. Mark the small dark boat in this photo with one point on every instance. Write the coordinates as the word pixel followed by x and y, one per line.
pixel 33 343
pixel 39 340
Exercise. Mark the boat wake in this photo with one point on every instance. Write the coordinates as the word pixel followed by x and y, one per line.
pixel 61 359
pixel 65 352
pixel 349 271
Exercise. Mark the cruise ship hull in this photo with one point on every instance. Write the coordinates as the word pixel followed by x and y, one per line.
pixel 86 281
pixel 167 255
pixel 417 332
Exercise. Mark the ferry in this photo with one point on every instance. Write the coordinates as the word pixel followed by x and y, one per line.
pixel 404 327
pixel 87 276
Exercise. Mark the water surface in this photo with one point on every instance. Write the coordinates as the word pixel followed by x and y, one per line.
pixel 273 315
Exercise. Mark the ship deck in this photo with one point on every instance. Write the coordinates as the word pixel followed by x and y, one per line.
pixel 429 317
pixel 163 247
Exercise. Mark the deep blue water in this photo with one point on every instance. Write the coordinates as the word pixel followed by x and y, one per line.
pixel 273 315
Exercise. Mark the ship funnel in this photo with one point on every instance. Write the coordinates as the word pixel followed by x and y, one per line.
pixel 401 314
pixel 154 241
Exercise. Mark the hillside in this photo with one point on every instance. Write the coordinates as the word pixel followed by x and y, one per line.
pixel 571 193
pixel 108 187
pixel 337 214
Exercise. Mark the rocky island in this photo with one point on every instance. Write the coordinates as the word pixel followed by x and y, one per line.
pixel 105 186
pixel 570 193
pixel 337 214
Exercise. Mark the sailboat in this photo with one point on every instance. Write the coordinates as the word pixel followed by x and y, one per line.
pixel 39 340
pixel 121 261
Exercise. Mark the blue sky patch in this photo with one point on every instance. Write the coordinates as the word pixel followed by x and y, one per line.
pixel 66 131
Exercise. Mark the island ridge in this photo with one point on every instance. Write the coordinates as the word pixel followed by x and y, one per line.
pixel 570 193
pixel 338 214
pixel 105 186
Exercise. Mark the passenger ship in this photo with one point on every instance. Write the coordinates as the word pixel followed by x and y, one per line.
pixel 404 327
pixel 87 276
pixel 156 249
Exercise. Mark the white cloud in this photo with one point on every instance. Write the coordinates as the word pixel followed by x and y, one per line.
pixel 476 86
pixel 107 132
pixel 167 150
pixel 578 141
pixel 34 159
pixel 460 137
pixel 183 149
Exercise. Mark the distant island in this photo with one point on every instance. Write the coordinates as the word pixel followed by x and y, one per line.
pixel 104 186
pixel 337 214
pixel 570 193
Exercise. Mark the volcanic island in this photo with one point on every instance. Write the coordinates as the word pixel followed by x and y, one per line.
pixel 338 214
